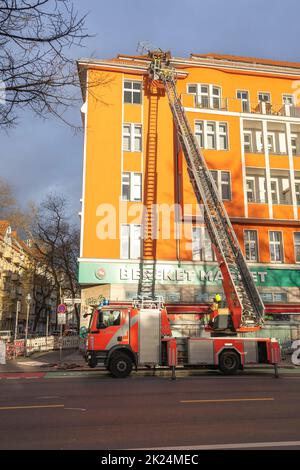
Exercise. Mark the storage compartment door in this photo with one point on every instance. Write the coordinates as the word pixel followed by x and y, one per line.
pixel 200 352
pixel 149 336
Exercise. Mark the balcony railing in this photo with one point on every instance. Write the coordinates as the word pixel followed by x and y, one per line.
pixel 236 105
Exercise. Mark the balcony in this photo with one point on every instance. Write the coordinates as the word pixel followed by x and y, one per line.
pixel 239 106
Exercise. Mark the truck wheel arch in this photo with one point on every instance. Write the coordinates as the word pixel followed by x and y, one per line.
pixel 122 349
pixel 233 356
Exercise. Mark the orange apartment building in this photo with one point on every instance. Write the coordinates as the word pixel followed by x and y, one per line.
pixel 246 117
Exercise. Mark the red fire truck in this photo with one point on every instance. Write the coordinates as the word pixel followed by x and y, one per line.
pixel 123 337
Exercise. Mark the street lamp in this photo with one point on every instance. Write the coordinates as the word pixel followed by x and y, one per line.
pixel 28 301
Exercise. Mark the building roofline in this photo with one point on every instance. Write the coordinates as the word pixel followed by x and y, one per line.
pixel 247 59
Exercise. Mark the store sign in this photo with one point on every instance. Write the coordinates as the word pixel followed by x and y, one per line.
pixel 186 274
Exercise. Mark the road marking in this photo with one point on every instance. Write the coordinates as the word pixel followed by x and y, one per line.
pixel 29 407
pixel 227 400
pixel 76 409
pixel 244 445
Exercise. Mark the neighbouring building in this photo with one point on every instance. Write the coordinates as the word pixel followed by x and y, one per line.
pixel 21 274
pixel 245 113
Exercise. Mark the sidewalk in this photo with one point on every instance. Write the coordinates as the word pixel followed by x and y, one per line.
pixel 46 362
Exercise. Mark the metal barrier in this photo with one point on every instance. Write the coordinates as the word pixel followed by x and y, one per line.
pixel 44 343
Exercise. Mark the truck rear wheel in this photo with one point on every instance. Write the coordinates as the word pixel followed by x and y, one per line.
pixel 229 362
pixel 120 365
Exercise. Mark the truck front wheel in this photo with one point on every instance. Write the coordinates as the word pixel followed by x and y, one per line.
pixel 229 362
pixel 120 365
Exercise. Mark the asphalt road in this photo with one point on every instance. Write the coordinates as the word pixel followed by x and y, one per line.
pixel 149 412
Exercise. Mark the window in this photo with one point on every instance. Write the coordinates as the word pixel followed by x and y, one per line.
pixel 131 186
pixel 276 252
pixel 199 133
pixel 132 137
pixel 297 188
pixel 216 97
pixel 108 318
pixel 264 97
pixel 203 98
pixel 201 245
pixel 271 297
pixel 126 186
pixel 212 135
pixel 137 138
pixel 127 137
pixel 251 245
pixel 288 99
pixel 271 142
pixel 244 97
pixel 294 144
pixel 206 96
pixel 281 190
pixel 132 92
pixel 248 142
pixel 130 241
pixel 223 144
pixel 222 180
pixel 297 246
pixel 256 189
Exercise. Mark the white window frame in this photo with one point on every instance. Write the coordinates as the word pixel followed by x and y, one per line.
pixel 276 199
pixel 199 132
pixel 132 137
pixel 220 183
pixel 259 188
pixel 295 247
pixel 297 191
pixel 272 145
pixel 288 95
pixel 222 134
pixel 244 100
pixel 207 99
pixel 201 245
pixel 294 146
pixel 132 185
pixel 266 93
pixel 251 243
pixel 279 190
pixel 132 91
pixel 130 241
pixel 216 133
pixel 248 134
pixel 212 134
pixel 252 190
pixel 275 244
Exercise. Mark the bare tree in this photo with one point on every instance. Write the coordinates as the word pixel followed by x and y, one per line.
pixel 57 242
pixel 19 219
pixel 36 72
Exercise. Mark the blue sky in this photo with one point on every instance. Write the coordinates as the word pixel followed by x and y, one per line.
pixel 42 156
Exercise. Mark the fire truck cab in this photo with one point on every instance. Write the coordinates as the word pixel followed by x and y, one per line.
pixel 121 338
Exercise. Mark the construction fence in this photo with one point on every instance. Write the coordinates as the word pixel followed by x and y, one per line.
pixel 44 343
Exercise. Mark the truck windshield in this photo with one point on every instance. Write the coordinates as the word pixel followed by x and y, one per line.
pixel 108 318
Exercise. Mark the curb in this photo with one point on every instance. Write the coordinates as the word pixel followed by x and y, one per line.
pixel 180 372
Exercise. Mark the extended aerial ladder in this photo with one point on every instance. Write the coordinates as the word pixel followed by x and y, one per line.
pixel 243 299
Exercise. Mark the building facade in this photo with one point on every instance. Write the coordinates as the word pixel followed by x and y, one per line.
pixel 21 275
pixel 245 114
